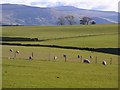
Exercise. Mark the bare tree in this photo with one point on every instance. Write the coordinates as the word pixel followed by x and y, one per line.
pixel 70 19
pixel 61 21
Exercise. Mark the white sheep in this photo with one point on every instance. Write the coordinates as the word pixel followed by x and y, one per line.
pixel 30 57
pixel 104 62
pixel 91 57
pixel 86 61
pixel 17 52
pixel 55 57
pixel 11 50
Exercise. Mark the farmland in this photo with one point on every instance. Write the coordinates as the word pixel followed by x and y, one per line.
pixel 45 72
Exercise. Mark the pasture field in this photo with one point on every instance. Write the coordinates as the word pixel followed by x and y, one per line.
pixel 42 73
pixel 91 36
pixel 87 41
pixel 53 32
pixel 45 72
pixel 42 53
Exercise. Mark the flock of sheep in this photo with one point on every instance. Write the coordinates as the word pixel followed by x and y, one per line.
pixel 55 57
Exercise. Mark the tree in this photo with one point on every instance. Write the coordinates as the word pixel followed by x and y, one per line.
pixel 93 22
pixel 61 21
pixel 85 20
pixel 70 19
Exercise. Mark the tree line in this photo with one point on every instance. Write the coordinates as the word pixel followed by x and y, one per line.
pixel 70 19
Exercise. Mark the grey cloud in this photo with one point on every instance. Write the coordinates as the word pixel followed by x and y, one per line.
pixel 38 3
pixel 48 4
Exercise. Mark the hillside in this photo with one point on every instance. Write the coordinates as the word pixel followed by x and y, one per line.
pixel 27 15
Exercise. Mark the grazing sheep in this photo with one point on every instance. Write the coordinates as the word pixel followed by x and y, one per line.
pixel 15 55
pixel 86 61
pixel 104 62
pixel 64 56
pixel 17 52
pixel 30 57
pixel 55 57
pixel 91 57
pixel 11 50
pixel 78 56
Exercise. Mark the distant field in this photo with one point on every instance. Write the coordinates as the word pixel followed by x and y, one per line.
pixel 45 72
pixel 48 32
pixel 98 41
pixel 92 36
pixel 102 41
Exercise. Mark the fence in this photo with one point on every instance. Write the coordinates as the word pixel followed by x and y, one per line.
pixel 56 56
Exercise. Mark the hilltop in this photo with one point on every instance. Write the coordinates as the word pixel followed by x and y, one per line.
pixel 27 15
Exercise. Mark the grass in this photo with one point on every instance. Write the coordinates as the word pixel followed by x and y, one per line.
pixel 40 74
pixel 102 37
pixel 48 32
pixel 90 41
pixel 45 72
pixel 42 53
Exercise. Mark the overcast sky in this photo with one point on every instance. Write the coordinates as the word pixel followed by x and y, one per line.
pixel 104 5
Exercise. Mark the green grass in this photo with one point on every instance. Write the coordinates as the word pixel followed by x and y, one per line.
pixel 42 53
pixel 43 74
pixel 47 32
pixel 106 36
pixel 102 41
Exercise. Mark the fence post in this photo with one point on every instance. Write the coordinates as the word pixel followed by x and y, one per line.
pixel 110 60
pixel 65 59
pixel 81 59
pixel 32 54
pixel 49 57
pixel 14 55
pixel 96 59
pixel 65 56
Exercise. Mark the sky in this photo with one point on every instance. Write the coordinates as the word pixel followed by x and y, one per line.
pixel 102 5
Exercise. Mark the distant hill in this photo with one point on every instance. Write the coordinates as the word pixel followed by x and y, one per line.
pixel 13 14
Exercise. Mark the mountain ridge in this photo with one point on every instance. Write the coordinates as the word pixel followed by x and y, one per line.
pixel 28 15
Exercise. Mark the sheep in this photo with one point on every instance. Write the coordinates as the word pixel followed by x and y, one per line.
pixel 64 56
pixel 17 52
pixel 55 57
pixel 91 57
pixel 30 57
pixel 104 62
pixel 11 50
pixel 86 61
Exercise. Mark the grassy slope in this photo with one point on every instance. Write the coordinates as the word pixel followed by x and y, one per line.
pixel 109 34
pixel 72 74
pixel 47 32
pixel 102 41
pixel 41 53
pixel 40 74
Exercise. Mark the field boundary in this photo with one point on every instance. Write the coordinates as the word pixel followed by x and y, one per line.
pixel 103 50
pixel 42 40
pixel 87 35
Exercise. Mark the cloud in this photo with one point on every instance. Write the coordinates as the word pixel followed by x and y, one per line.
pixel 105 5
